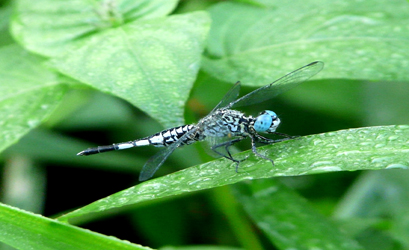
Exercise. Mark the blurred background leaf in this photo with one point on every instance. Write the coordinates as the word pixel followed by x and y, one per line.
pixel 357 40
pixel 24 103
pixel 287 219
pixel 152 64
pixel 49 27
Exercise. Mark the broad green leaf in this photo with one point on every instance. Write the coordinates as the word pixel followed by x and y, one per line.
pixel 29 93
pixel 355 39
pixel 24 230
pixel 287 219
pixel 152 64
pixel 48 27
pixel 345 150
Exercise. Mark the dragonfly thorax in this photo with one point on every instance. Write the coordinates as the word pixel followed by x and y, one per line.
pixel 267 122
pixel 225 122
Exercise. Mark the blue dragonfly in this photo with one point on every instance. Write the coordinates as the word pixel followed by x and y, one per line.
pixel 222 122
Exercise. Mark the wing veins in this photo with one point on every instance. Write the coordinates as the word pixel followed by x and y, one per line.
pixel 229 97
pixel 279 86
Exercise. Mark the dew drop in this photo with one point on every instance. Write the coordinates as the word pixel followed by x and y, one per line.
pixel 403 126
pixel 32 123
pixel 328 168
pixel 380 159
pixel 366 143
pixel 123 200
pixel 349 152
pixel 321 163
pixel 396 165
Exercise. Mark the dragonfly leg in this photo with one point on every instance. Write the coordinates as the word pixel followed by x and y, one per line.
pixel 266 140
pixel 287 137
pixel 226 146
pixel 254 139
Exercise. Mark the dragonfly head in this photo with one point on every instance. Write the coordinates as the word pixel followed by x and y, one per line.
pixel 267 122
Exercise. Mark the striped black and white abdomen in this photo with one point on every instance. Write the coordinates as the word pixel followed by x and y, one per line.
pixel 162 139
pixel 168 137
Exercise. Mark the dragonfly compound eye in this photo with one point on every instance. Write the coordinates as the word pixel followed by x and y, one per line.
pixel 267 121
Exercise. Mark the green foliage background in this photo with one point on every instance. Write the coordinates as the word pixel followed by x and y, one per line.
pixel 75 74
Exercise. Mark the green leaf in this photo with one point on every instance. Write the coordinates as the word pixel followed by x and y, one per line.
pixel 377 195
pixel 48 27
pixel 29 93
pixel 152 64
pixel 356 40
pixel 345 150
pixel 24 230
pixel 287 219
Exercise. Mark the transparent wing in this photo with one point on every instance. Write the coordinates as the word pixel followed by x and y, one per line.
pixel 229 97
pixel 279 86
pixel 156 161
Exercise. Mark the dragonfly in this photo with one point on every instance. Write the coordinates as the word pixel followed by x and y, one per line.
pixel 222 122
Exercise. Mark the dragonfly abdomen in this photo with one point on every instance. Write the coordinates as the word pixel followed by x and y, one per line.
pixel 162 139
pixel 169 136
